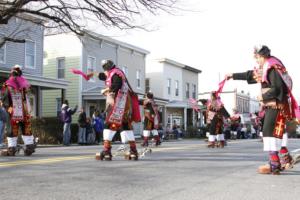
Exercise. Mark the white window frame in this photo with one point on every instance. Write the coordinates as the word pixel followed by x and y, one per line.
pixel 92 79
pixel 125 70
pixel 194 91
pixel 138 79
pixel 176 88
pixel 4 56
pixel 57 59
pixel 147 85
pixel 34 60
pixel 187 90
pixel 169 88
pixel 32 98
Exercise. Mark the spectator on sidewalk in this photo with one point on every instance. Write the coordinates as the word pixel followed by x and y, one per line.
pixel 82 123
pixel 66 117
pixel 3 120
pixel 90 134
pixel 160 131
pixel 179 133
pixel 98 125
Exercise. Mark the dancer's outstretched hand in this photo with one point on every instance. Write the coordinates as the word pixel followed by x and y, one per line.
pixel 90 74
pixel 228 76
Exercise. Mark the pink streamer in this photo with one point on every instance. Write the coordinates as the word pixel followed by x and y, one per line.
pixel 221 85
pixel 79 72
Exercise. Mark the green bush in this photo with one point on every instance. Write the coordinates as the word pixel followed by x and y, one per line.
pixel 49 130
pixel 192 132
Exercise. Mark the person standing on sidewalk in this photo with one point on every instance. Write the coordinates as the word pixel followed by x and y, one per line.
pixel 82 127
pixel 98 126
pixel 3 120
pixel 235 121
pixel 277 100
pixel 66 115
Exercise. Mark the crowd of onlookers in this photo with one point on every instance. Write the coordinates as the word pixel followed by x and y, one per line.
pixel 244 131
pixel 90 129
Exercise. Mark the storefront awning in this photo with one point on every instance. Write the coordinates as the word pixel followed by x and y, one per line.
pixel 93 93
pixel 181 104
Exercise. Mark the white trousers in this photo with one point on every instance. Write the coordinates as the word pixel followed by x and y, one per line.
pixel 147 133
pixel 127 136
pixel 220 137
pixel 275 144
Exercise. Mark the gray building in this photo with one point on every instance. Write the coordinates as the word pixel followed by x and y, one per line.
pixel 29 56
pixel 177 82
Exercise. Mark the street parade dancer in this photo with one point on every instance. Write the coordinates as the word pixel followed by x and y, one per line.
pixel 151 120
pixel 122 108
pixel 16 102
pixel 279 105
pixel 215 115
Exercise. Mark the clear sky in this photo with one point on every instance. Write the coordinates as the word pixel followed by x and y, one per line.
pixel 219 38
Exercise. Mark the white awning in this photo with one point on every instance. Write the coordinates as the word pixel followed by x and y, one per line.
pixel 43 82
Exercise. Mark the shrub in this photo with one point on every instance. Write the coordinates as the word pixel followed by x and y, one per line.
pixel 192 132
pixel 48 130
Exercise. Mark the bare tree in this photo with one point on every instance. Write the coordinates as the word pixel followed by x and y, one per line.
pixel 73 15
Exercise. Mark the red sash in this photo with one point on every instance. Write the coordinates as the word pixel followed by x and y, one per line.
pixel 280 68
pixel 116 115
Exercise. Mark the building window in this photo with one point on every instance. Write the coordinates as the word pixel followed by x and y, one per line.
pixel 176 88
pixel 32 104
pixel 187 90
pixel 147 85
pixel 194 91
pixel 138 78
pixel 125 70
pixel 2 53
pixel 60 63
pixel 30 54
pixel 91 66
pixel 58 106
pixel 169 86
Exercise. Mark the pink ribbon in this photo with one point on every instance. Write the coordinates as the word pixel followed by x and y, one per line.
pixel 79 72
pixel 221 85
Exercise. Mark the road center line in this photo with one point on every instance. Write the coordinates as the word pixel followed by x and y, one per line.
pixel 43 161
pixel 70 158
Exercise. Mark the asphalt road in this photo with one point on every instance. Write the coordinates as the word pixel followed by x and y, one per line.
pixel 177 170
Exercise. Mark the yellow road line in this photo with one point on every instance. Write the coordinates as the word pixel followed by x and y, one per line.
pixel 70 158
pixel 43 161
